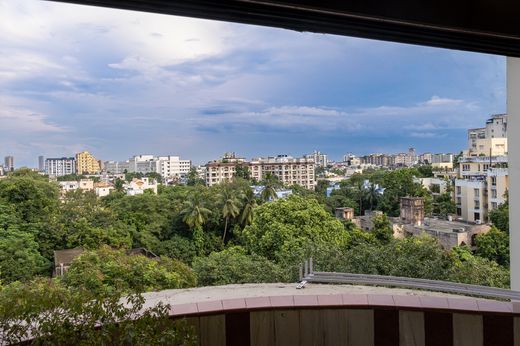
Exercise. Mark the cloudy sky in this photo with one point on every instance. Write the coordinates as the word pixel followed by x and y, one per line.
pixel 119 83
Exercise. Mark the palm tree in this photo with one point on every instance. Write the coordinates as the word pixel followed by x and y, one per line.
pixel 269 191
pixel 230 206
pixel 195 216
pixel 248 206
pixel 371 195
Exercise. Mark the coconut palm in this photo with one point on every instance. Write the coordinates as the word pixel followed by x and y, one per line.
pixel 230 206
pixel 371 195
pixel 248 206
pixel 269 191
pixel 195 215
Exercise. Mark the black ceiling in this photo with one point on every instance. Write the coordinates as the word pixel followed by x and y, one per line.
pixel 490 26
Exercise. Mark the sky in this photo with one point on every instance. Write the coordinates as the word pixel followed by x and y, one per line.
pixel 122 83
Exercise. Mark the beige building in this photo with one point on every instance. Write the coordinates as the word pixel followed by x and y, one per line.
pixel 223 169
pixel 289 170
pixel 86 163
pixel 483 174
pixel 490 140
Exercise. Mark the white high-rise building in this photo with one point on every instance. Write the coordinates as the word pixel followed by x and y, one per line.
pixel 320 159
pixel 58 167
pixel 173 166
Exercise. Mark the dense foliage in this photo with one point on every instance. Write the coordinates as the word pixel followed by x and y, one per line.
pixel 219 235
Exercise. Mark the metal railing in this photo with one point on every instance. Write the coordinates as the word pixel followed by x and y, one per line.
pixel 308 274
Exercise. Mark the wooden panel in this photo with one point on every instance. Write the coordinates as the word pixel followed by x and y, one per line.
pixel 335 327
pixel 360 327
pixel 287 327
pixel 311 328
pixel 262 328
pixel 498 330
pixel 386 327
pixel 212 330
pixel 438 328
pixel 238 329
pixel 467 330
pixel 517 330
pixel 411 328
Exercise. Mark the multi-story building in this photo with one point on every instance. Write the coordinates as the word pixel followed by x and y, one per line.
pixel 9 163
pixel 490 140
pixel 442 161
pixel 173 166
pixel 41 163
pixel 117 167
pixel 289 170
pixel 86 163
pixel 58 167
pixel 223 169
pixel 483 180
pixel 319 158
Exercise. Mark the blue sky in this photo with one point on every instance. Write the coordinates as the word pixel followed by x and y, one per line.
pixel 119 83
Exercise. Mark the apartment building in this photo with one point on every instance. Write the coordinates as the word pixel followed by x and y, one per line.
pixel 58 167
pixel 289 170
pixel 442 161
pixel 86 163
pixel 483 180
pixel 9 163
pixel 490 140
pixel 117 167
pixel 320 159
pixel 223 169
pixel 173 166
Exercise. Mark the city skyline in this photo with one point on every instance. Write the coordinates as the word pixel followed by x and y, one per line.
pixel 119 83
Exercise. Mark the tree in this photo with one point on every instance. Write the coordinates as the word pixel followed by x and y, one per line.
pixel 19 256
pixel 500 217
pixel 269 192
pixel 108 270
pixel 193 178
pixel 291 229
pixel 248 207
pixel 230 206
pixel 195 215
pixel 476 270
pixel 494 245
pixel 56 315
pixel 371 195
pixel 235 266
pixel 242 171
pixel 382 230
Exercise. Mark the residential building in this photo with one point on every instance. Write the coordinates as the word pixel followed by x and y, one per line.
pixel 9 163
pixel 223 169
pixel 66 186
pixel 41 164
pixel 86 163
pixel 143 164
pixel 58 167
pixel 173 167
pixel 139 186
pixel 490 140
pixel 442 161
pixel 483 180
pixel 320 159
pixel 103 189
pixel 425 158
pixel 117 167
pixel 288 170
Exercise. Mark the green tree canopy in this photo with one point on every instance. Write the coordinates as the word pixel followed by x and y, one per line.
pixel 109 270
pixel 289 229
pixel 494 246
pixel 235 266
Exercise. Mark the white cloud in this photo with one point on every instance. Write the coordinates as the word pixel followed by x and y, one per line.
pixel 14 119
